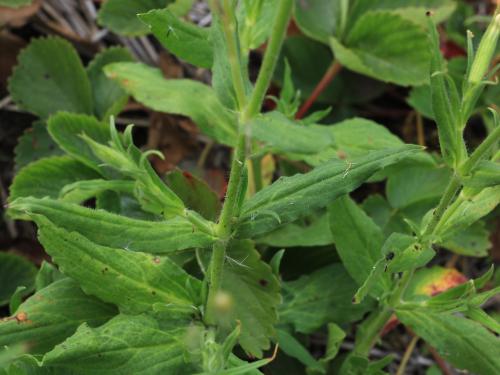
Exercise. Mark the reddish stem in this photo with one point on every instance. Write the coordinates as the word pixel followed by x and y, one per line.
pixel 330 74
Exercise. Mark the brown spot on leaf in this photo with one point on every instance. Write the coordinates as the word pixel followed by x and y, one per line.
pixel 21 317
pixel 156 260
pixel 263 282
pixel 341 154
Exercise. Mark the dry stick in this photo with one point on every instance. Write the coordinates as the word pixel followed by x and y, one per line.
pixel 330 74
pixel 407 355
pixel 420 129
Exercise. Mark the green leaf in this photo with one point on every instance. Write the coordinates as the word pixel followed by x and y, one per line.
pixel 108 229
pixel 195 193
pixel 412 10
pixel 293 348
pixel 415 184
pixel 187 41
pixel 81 191
pixel 222 82
pixel 284 135
pixel 34 144
pixel 178 96
pixel 66 129
pixel 52 314
pixel 404 253
pixel 254 290
pixel 318 20
pixel 255 20
pixel 473 241
pixel 292 197
pixel 120 16
pixel 133 281
pixel 127 345
pixel 469 211
pixel 306 232
pixel 487 173
pixel 46 177
pixel 446 105
pixel 50 77
pixel 352 138
pixel 47 274
pixel 109 97
pixel 321 297
pixel 358 240
pixel 15 271
pixel 387 47
pixel 462 342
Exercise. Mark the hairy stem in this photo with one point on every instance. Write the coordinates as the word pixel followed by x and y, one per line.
pixel 329 75
pixel 374 325
pixel 224 227
pixel 270 59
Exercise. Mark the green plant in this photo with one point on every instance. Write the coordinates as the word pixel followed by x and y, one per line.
pixel 160 278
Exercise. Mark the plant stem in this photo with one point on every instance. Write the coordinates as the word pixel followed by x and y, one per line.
pixel 230 33
pixel 401 289
pixel 407 355
pixel 257 173
pixel 270 59
pixel 329 75
pixel 450 192
pixel 375 323
pixel 224 227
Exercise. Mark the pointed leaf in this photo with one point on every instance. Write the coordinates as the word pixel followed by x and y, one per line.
pixel 195 193
pixel 66 129
pixel 109 97
pixel 46 177
pixel 309 231
pixel 50 77
pixel 126 345
pixel 415 184
pixel 292 197
pixel 445 104
pixel 284 135
pixel 469 211
pixel 120 16
pixel 358 240
pixel 177 96
pixel 108 229
pixel 321 297
pixel 187 41
pixel 462 342
pixel 52 314
pixel 131 280
pixel 254 290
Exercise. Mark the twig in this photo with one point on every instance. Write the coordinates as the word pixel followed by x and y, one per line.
pixel 330 74
pixel 407 355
